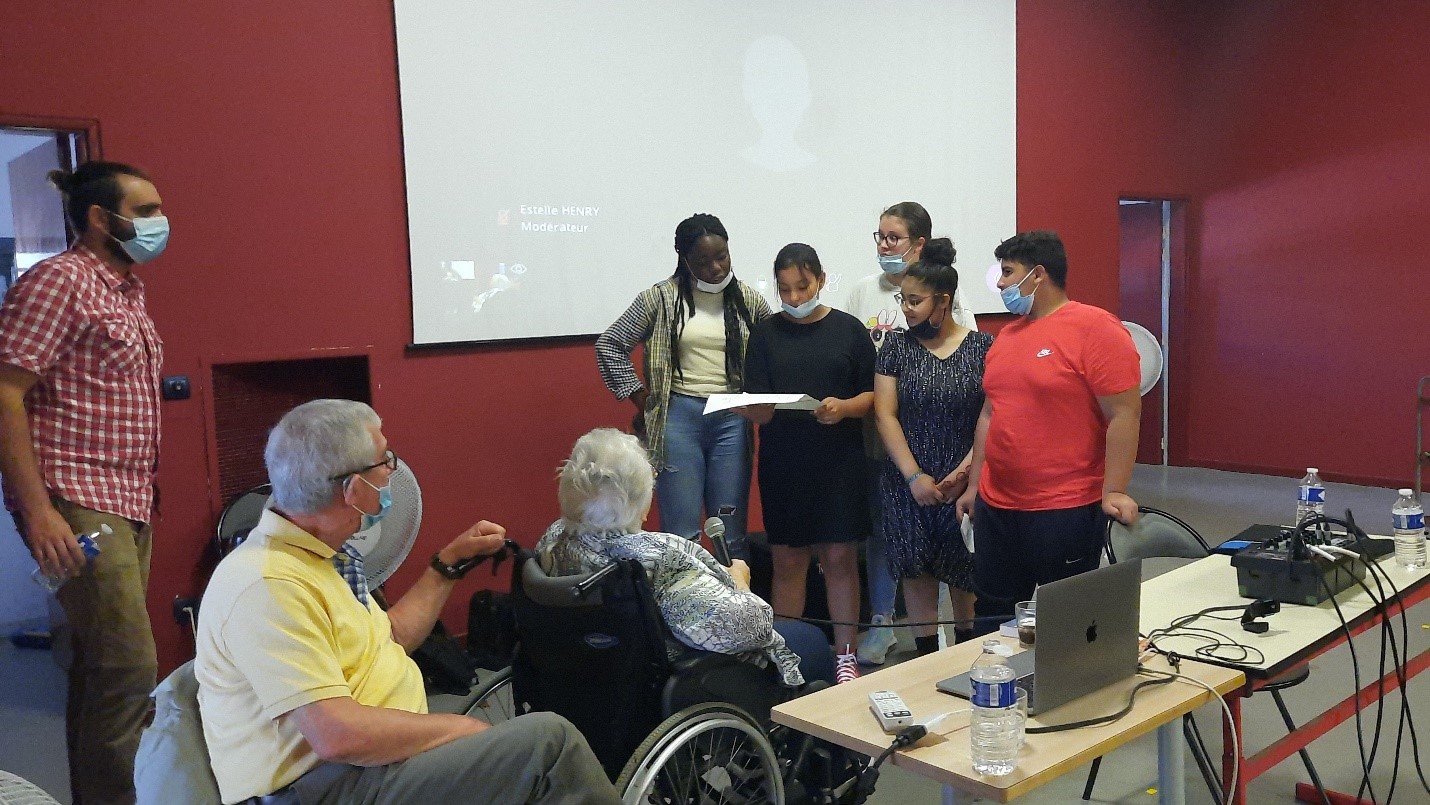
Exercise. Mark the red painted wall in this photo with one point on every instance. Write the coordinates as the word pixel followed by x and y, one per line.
pixel 272 130
pixel 1311 323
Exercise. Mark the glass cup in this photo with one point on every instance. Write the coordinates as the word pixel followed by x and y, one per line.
pixel 1025 615
pixel 1022 717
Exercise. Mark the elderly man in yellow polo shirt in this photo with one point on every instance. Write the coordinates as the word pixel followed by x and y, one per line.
pixel 305 687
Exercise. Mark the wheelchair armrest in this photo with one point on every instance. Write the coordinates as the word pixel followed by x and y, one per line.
pixel 696 661
pixel 705 676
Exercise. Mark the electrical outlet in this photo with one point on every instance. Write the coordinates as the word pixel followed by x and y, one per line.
pixel 186 610
pixel 175 387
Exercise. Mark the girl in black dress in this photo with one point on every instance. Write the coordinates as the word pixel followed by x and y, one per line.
pixel 811 468
pixel 928 392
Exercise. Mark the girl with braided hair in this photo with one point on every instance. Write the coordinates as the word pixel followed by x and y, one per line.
pixel 694 326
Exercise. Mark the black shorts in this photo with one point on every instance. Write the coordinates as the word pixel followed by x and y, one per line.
pixel 1015 551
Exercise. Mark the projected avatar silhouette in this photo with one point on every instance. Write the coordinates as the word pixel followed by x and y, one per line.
pixel 777 90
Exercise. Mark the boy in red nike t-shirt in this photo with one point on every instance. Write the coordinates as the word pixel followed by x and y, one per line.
pixel 1055 443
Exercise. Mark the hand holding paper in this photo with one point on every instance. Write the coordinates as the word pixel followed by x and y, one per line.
pixel 789 402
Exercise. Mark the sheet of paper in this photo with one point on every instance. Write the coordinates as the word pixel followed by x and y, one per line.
pixel 793 402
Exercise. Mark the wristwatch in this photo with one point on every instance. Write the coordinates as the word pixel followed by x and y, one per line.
pixel 457 571
pixel 453 572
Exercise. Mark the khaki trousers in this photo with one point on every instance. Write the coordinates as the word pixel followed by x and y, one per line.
pixel 114 666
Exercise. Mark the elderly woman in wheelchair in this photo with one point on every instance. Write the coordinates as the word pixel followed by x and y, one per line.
pixel 661 656
pixel 605 493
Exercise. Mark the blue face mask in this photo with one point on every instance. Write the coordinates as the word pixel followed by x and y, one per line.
pixel 1016 303
pixel 384 503
pixel 891 263
pixel 151 236
pixel 803 310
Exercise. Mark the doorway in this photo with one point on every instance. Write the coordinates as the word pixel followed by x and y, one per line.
pixel 1152 264
pixel 32 227
pixel 32 219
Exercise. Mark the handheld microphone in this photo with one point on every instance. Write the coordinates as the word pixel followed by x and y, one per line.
pixel 715 530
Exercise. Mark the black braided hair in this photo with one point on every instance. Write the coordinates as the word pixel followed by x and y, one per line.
pixel 690 231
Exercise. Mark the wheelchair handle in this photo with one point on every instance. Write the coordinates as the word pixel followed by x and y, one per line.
pixel 581 588
pixel 508 548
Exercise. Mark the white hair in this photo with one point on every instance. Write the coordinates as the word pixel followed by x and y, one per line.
pixel 314 443
pixel 606 484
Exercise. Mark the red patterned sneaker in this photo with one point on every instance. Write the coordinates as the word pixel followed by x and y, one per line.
pixel 846 667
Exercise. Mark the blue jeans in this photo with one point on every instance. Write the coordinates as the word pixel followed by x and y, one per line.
pixel 816 658
pixel 882 586
pixel 707 469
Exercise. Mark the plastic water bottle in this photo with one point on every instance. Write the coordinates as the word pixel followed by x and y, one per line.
pixel 1311 498
pixel 1408 520
pixel 88 543
pixel 995 725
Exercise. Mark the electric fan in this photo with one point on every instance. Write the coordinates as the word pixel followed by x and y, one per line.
pixel 1149 350
pixel 19 791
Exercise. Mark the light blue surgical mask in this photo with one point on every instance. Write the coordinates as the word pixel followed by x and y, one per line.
pixel 151 236
pixel 802 311
pixel 891 263
pixel 1016 303
pixel 384 503
pixel 894 263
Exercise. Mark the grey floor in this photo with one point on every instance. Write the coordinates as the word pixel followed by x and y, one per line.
pixel 1219 504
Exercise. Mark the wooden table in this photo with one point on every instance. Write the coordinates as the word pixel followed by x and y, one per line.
pixel 1298 634
pixel 841 716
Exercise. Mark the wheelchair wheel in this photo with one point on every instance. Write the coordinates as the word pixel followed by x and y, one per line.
pixel 708 753
pixel 496 704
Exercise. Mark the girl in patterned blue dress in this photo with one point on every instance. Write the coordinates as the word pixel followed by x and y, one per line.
pixel 928 391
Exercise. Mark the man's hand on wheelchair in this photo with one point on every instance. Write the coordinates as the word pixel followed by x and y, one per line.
pixel 483 539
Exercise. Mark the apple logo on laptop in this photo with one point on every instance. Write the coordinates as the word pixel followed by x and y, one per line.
pixel 1092 632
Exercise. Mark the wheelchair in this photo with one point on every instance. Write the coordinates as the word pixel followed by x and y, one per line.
pixel 692 729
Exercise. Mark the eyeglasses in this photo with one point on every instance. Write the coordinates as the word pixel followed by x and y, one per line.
pixel 389 460
pixel 910 301
pixel 880 239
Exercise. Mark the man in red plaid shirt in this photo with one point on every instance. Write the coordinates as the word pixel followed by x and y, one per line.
pixel 79 445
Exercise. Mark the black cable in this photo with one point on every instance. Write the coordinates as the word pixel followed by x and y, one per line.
pixel 1406 712
pixel 1385 632
pixel 1355 671
pixel 907 736
pixel 1400 655
pixel 1367 760
pixel 1179 628
pixel 1249 656
pixel 1108 719
pixel 1407 716
pixel 1000 619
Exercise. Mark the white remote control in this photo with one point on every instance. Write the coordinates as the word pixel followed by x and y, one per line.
pixel 891 711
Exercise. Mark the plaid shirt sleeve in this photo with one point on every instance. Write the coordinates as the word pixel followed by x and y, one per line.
pixel 36 320
pixel 614 347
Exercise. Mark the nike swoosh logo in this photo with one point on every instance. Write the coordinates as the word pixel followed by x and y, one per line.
pixel 1045 353
pixel 1073 560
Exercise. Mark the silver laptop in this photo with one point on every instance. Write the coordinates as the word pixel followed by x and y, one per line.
pixel 1087 638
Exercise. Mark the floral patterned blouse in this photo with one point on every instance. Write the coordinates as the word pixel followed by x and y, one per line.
pixel 698 599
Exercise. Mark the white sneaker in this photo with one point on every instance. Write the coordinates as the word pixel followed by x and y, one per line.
pixel 875 645
pixel 846 667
